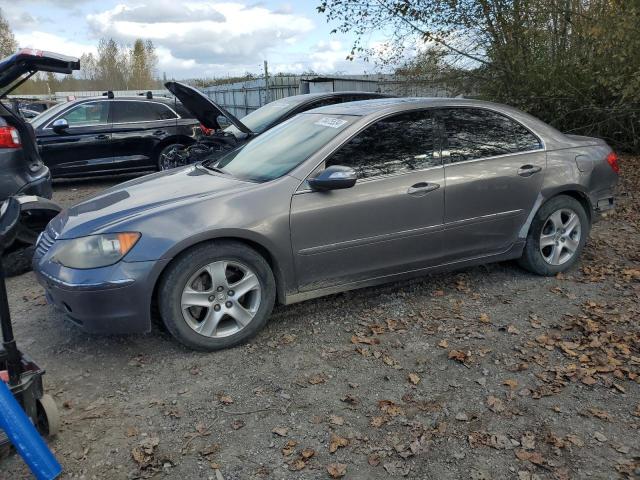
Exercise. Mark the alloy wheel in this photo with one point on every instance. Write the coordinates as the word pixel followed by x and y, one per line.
pixel 560 236
pixel 221 299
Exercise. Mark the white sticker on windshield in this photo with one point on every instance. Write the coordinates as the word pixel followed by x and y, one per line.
pixel 330 122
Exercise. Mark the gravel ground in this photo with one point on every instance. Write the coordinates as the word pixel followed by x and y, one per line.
pixel 484 373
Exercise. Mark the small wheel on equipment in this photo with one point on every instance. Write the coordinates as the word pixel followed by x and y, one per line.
pixel 48 415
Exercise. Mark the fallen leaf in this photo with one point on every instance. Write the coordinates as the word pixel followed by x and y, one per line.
pixel 289 448
pixel 307 453
pixel 336 470
pixel 390 408
pixel 484 318
pixel 458 356
pixel 318 379
pixel 336 420
pixel 495 404
pixel 511 383
pixel 443 343
pixel 414 378
pixel 336 442
pixel 528 441
pixel 365 340
pixel 377 422
pixel 280 431
pixel 533 457
pixel 225 399
pixel 297 465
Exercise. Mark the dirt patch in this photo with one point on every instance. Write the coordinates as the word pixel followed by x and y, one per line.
pixel 488 372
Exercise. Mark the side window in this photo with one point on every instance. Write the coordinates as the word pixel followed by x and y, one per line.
pixel 86 114
pixel 398 144
pixel 161 111
pixel 140 111
pixel 472 133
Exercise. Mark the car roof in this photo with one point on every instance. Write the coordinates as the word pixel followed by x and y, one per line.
pixel 373 106
pixel 309 97
pixel 141 98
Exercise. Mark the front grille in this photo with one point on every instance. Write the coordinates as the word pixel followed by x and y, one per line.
pixel 45 242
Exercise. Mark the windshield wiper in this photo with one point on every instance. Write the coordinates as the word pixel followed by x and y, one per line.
pixel 217 169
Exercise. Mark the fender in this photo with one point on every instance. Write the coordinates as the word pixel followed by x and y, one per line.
pixel 35 214
pixel 285 281
pixel 549 193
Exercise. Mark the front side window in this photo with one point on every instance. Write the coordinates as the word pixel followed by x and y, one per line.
pixel 399 144
pixel 472 133
pixel 282 148
pixel 86 114
pixel 134 111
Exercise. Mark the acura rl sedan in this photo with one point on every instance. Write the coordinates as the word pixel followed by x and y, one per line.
pixel 337 198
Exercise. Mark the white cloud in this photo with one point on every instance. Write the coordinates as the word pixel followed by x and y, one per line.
pixel 210 34
pixel 53 43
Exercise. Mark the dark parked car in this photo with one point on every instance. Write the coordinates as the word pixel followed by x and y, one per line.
pixel 341 197
pixel 241 131
pixel 21 169
pixel 111 135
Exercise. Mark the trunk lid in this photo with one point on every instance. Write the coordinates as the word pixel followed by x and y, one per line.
pixel 202 107
pixel 28 61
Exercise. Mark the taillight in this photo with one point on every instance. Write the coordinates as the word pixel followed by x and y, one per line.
pixel 612 160
pixel 9 137
pixel 205 130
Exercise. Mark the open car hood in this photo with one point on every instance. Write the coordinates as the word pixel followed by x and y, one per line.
pixel 202 107
pixel 27 61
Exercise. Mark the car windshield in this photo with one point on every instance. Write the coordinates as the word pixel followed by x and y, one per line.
pixel 260 119
pixel 281 149
pixel 47 114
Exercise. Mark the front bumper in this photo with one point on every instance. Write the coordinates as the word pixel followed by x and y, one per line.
pixel 108 300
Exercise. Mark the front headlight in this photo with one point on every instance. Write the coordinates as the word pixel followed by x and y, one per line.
pixel 95 251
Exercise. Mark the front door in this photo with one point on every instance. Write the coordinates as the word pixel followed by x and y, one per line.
pixel 389 222
pixel 139 126
pixel 494 168
pixel 85 146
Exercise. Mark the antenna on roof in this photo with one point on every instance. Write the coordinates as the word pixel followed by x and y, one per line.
pixel 149 95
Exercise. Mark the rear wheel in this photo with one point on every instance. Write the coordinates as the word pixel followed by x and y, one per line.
pixel 167 158
pixel 216 295
pixel 556 237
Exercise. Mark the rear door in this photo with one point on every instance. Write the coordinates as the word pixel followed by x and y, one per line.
pixel 389 222
pixel 85 146
pixel 494 168
pixel 139 126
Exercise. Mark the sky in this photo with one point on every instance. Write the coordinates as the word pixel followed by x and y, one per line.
pixel 194 39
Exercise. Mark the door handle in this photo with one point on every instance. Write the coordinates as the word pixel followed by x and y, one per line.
pixel 102 137
pixel 159 133
pixel 528 170
pixel 422 188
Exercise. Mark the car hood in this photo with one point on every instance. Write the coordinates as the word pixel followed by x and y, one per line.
pixel 128 201
pixel 202 107
pixel 31 61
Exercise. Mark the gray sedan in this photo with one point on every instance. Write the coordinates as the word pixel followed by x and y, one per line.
pixel 337 198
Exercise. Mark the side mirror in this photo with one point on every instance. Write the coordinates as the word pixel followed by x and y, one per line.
pixel 60 125
pixel 334 178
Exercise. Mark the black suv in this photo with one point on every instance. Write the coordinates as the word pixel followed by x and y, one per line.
pixel 112 134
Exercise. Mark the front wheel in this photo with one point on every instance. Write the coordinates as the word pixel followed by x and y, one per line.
pixel 216 295
pixel 168 157
pixel 556 237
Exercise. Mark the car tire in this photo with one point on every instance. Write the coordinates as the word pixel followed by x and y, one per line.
pixel 555 241
pixel 190 275
pixel 163 162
